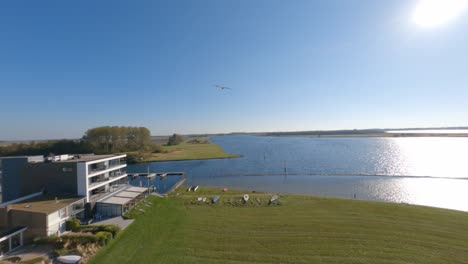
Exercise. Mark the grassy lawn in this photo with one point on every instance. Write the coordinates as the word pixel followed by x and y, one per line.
pixel 300 229
pixel 190 151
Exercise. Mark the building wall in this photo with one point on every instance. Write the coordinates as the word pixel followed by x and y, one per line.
pixel 56 222
pixel 11 181
pixel 54 178
pixel 36 223
pixel 4 217
pixel 82 180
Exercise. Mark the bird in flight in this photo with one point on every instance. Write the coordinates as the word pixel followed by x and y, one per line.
pixel 222 87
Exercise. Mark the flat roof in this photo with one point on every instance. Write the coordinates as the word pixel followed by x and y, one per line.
pixel 127 194
pixel 86 158
pixel 124 196
pixel 45 203
pixel 116 200
pixel 73 157
pixel 136 189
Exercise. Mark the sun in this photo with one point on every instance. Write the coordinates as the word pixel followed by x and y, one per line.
pixel 433 13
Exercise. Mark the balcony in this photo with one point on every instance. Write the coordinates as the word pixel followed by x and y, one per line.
pixel 103 169
pixel 76 208
pixel 106 180
pixel 115 174
pixel 97 181
pixel 101 193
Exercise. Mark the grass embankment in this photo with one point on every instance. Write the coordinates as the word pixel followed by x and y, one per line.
pixel 300 229
pixel 187 150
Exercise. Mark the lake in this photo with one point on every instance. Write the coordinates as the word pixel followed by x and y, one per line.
pixel 430 171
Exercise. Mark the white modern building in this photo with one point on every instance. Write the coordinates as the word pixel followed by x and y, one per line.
pixel 86 175
pixel 97 175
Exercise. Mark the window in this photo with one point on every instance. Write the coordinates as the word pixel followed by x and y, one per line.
pixel 63 213
pixel 65 169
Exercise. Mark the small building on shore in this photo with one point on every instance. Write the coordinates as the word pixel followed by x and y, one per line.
pixel 119 202
pixel 43 215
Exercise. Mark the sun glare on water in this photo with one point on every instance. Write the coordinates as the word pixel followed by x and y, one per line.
pixel 433 13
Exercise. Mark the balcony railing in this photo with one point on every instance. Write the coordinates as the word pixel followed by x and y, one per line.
pixel 116 174
pixel 113 188
pixel 98 181
pixel 102 168
pixel 96 196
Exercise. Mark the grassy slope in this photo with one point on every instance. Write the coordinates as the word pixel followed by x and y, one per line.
pixel 187 151
pixel 303 229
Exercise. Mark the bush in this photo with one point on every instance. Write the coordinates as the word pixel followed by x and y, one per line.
pixel 80 239
pixel 104 237
pixel 157 148
pixel 72 225
pixel 53 239
pixel 113 229
pixel 175 139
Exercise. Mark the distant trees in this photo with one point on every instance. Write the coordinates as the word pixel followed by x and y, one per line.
pixel 175 139
pixel 98 140
pixel 46 147
pixel 109 139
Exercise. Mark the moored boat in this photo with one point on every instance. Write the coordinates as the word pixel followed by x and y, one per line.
pixel 274 198
pixel 70 259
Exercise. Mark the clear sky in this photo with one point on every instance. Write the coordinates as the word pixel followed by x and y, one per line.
pixel 66 66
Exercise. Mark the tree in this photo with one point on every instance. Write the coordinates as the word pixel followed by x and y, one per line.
pixel 109 139
pixel 175 139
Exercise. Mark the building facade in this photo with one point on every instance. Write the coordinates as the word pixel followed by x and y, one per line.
pixel 89 176
pixel 43 215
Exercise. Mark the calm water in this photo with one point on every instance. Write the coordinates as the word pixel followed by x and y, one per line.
pixel 425 171
pixel 162 184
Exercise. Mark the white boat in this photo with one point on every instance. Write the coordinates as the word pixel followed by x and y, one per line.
pixel 70 259
pixel 245 197
pixel 274 198
pixel 192 188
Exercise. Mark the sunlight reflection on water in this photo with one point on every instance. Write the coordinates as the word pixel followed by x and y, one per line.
pixel 339 167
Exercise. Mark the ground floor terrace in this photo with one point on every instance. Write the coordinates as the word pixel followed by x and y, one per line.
pixel 119 202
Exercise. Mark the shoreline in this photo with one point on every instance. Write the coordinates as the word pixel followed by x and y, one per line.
pixel 378 135
pixel 316 196
pixel 194 159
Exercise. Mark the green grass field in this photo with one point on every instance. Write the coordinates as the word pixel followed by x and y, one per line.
pixel 301 229
pixel 188 151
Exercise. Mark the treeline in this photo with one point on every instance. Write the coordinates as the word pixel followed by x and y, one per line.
pixel 45 148
pixel 108 139
pixel 99 140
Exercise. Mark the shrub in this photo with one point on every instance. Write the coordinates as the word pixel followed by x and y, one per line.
pixel 157 148
pixel 104 237
pixel 80 239
pixel 53 239
pixel 72 225
pixel 175 139
pixel 113 229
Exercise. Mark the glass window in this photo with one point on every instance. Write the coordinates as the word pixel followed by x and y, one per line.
pixel 15 241
pixel 63 213
pixel 4 247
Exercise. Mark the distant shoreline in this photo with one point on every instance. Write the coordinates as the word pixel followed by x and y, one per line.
pixel 383 135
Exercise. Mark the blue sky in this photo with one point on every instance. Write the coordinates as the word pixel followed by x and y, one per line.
pixel 66 66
